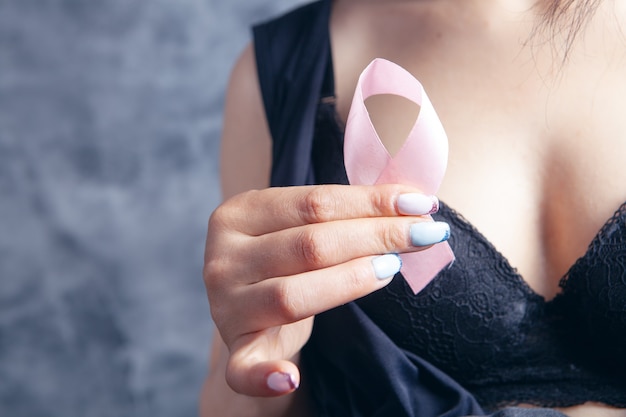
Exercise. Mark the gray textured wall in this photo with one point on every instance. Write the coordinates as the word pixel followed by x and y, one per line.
pixel 110 116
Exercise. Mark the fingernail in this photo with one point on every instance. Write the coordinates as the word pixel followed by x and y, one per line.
pixel 386 266
pixel 429 233
pixel 281 382
pixel 417 204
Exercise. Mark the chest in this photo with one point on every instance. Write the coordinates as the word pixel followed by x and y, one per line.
pixel 538 191
pixel 536 158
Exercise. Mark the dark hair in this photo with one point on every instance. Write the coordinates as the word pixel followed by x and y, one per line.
pixel 565 19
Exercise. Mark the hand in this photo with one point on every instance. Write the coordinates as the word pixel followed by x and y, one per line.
pixel 276 257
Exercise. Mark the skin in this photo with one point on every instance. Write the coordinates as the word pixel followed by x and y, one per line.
pixel 536 164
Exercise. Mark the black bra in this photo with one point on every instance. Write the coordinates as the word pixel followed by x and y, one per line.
pixel 482 324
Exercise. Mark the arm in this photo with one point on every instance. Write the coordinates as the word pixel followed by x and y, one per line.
pixel 245 165
pixel 246 143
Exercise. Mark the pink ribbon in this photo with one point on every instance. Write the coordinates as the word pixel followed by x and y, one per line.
pixel 421 161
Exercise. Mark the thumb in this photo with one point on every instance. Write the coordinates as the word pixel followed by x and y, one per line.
pixel 247 375
pixel 264 364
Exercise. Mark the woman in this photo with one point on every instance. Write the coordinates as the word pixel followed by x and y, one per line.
pixel 530 94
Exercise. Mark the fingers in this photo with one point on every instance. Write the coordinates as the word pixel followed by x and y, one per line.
pixel 311 247
pixel 256 366
pixel 277 257
pixel 371 223
pixel 279 301
pixel 259 212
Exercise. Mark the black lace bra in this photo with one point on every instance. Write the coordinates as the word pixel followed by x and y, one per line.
pixel 482 324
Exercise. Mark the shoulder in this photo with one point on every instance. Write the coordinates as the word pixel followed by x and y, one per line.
pixel 243 80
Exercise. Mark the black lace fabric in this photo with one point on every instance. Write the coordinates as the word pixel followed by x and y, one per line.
pixel 480 322
pixel 594 298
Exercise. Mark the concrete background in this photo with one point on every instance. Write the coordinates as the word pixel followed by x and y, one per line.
pixel 110 114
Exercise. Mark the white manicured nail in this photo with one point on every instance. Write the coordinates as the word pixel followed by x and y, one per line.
pixel 386 266
pixel 417 204
pixel 429 233
pixel 281 382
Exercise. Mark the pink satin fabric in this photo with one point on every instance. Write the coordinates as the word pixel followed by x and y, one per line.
pixel 421 161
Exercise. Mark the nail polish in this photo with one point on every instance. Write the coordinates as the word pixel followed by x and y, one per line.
pixel 386 266
pixel 429 233
pixel 281 382
pixel 417 204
